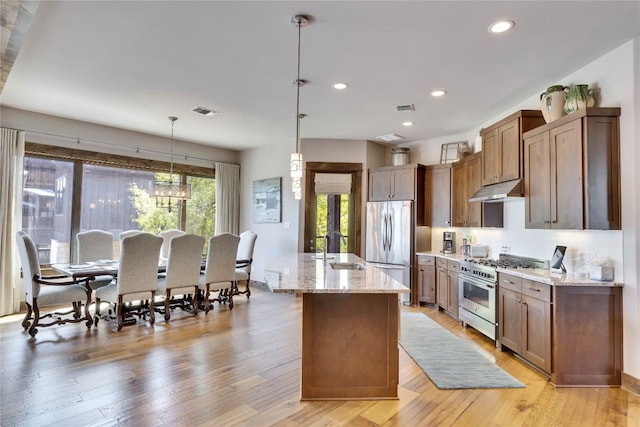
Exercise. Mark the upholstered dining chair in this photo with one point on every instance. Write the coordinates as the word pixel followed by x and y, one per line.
pixel 49 291
pixel 183 274
pixel 137 278
pixel 244 259
pixel 95 245
pixel 166 238
pixel 220 270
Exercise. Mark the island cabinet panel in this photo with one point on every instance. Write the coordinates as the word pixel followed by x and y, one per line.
pixel 587 331
pixel 350 346
pixel 502 146
pixel 572 172
pixel 438 195
pixel 426 274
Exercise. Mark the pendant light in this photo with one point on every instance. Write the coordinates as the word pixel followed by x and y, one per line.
pixel 168 192
pixel 296 158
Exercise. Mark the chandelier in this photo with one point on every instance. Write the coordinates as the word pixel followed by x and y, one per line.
pixel 169 193
pixel 296 158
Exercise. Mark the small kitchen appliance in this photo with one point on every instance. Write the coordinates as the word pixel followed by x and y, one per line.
pixel 449 242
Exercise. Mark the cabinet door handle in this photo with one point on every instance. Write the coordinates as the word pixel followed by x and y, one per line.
pixel 508 281
pixel 535 290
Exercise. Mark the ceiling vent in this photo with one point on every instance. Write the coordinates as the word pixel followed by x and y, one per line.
pixel 406 107
pixel 204 111
pixel 390 137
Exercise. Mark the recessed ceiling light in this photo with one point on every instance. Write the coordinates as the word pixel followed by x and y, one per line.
pixel 340 86
pixel 407 123
pixel 438 92
pixel 501 26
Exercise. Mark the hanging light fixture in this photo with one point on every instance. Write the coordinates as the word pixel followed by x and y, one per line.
pixel 168 192
pixel 296 158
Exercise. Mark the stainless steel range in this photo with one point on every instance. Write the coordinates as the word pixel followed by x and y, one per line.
pixel 478 284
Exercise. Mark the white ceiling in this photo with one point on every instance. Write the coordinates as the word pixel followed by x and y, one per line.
pixel 131 64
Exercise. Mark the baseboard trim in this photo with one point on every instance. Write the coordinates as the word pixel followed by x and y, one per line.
pixel 631 384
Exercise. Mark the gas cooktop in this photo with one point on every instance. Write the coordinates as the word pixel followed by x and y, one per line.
pixel 507 261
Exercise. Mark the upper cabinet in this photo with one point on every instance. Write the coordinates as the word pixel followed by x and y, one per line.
pixel 572 172
pixel 438 196
pixel 465 175
pixel 396 182
pixel 466 180
pixel 502 146
pixel 404 182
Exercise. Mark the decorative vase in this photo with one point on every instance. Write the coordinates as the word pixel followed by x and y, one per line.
pixel 579 97
pixel 552 102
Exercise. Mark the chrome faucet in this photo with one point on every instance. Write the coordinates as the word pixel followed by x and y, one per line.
pixel 326 242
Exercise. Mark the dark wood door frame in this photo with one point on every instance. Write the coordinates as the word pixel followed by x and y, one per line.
pixel 355 204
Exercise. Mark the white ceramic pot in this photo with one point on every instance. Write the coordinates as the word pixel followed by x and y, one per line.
pixel 552 102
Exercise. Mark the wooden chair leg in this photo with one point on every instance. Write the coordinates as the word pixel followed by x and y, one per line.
pixel 206 300
pixel 27 317
pixel 36 318
pixel 167 297
pixel 152 312
pixel 194 301
pixel 119 314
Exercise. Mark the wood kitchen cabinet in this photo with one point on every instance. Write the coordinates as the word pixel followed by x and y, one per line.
pixel 502 146
pixel 572 172
pixel 447 285
pixel 396 182
pixel 438 195
pixel 525 319
pixel 573 332
pixel 466 178
pixel 426 276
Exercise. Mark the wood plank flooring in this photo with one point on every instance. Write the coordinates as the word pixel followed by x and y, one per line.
pixel 242 367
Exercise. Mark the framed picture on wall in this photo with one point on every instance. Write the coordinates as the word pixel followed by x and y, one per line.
pixel 267 203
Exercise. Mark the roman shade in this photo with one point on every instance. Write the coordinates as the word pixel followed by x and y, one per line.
pixel 333 183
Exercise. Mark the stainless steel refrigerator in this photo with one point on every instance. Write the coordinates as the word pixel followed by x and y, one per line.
pixel 392 238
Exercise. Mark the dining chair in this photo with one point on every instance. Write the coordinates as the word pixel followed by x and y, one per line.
pixel 50 291
pixel 92 246
pixel 244 259
pixel 220 270
pixel 166 238
pixel 136 281
pixel 182 275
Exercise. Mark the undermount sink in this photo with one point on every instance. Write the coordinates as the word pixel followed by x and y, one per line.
pixel 346 266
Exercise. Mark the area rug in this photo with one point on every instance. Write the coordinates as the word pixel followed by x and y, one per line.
pixel 447 360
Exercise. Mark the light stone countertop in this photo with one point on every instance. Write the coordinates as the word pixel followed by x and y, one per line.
pixel 556 279
pixel 305 273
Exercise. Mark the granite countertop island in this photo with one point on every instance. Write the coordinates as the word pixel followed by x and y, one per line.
pixel 350 324
pixel 309 273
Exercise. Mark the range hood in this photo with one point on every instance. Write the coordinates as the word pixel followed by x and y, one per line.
pixel 500 192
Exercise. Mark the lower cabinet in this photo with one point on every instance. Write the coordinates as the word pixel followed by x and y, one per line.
pixel 525 319
pixel 572 332
pixel 447 284
pixel 426 276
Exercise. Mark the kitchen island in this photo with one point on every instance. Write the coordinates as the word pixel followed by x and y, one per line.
pixel 350 324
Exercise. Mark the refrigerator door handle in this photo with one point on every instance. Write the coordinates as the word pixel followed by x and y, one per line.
pixel 390 238
pixel 384 232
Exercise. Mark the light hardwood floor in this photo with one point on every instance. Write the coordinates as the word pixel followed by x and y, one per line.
pixel 242 367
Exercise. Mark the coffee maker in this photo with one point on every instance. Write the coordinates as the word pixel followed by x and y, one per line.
pixel 449 242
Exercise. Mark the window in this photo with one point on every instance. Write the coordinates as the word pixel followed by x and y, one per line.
pixel 112 198
pixel 46 206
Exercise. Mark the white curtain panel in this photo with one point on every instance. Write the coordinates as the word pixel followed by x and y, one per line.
pixel 11 160
pixel 227 198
